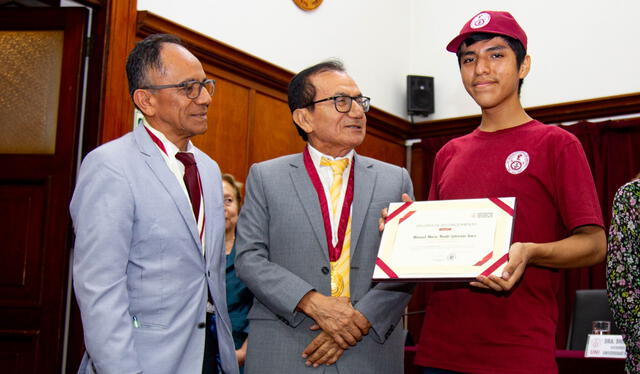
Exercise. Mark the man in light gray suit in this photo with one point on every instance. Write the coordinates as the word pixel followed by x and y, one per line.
pixel 307 240
pixel 148 217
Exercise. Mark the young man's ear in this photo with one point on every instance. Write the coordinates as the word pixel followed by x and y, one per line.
pixel 144 101
pixel 525 67
pixel 302 118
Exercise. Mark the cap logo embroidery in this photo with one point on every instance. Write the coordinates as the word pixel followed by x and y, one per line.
pixel 517 162
pixel 479 21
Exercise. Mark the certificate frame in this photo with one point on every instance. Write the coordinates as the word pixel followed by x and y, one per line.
pixel 475 234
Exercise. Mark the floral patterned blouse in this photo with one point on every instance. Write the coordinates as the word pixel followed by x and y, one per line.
pixel 623 269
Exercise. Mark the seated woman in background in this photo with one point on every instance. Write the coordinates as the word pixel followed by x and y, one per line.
pixel 623 269
pixel 239 298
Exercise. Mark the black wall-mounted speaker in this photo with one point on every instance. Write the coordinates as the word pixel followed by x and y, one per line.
pixel 420 95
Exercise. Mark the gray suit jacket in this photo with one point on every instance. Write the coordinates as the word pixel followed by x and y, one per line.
pixel 282 254
pixel 138 254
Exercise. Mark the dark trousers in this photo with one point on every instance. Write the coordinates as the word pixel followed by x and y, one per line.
pixel 211 362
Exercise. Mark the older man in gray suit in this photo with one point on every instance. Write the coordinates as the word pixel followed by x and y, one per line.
pixel 147 212
pixel 307 240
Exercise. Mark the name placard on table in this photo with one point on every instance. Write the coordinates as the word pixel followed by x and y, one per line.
pixel 445 240
pixel 607 346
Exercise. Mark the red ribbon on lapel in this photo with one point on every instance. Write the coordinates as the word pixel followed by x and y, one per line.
pixel 164 150
pixel 334 251
pixel 156 140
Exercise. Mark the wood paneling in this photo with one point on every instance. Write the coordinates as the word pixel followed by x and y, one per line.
pixel 418 173
pixel 228 116
pixel 570 111
pixel 217 54
pixel 249 119
pixel 564 112
pixel 16 351
pixel 35 190
pixel 23 204
pixel 251 128
pixel 117 107
pixel 394 128
pixel 273 133
pixel 379 147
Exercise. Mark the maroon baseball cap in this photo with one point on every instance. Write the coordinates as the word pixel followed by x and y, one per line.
pixel 492 22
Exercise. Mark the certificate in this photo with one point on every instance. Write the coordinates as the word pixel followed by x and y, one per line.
pixel 445 240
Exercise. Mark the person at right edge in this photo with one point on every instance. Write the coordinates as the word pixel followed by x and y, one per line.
pixel 623 269
pixel 507 323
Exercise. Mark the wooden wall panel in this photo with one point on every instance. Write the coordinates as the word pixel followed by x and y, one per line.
pixel 23 204
pixel 16 351
pixel 249 120
pixel 386 132
pixel 273 133
pixel 602 107
pixel 381 148
pixel 117 107
pixel 418 173
pixel 225 141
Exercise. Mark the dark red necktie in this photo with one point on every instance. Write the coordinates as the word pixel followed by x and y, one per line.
pixel 191 180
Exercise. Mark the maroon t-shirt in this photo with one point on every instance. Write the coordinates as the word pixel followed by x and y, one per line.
pixel 472 330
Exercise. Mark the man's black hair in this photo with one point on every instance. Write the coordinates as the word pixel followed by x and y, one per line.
pixel 515 45
pixel 301 91
pixel 146 56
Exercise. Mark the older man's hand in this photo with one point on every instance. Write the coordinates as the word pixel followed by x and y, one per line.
pixel 336 317
pixel 322 350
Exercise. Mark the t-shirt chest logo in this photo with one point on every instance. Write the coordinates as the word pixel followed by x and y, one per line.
pixel 517 162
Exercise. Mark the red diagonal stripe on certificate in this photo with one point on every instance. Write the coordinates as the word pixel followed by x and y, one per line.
pixel 398 211
pixel 387 270
pixel 495 265
pixel 502 205
pixel 484 259
pixel 409 214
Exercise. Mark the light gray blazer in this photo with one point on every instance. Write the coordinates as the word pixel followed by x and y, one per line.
pixel 138 253
pixel 282 254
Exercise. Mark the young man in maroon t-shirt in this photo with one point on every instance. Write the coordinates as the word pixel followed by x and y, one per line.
pixel 507 324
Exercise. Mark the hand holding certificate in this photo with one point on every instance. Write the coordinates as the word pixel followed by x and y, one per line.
pixel 445 240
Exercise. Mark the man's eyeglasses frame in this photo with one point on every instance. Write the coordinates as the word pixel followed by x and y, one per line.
pixel 187 86
pixel 363 101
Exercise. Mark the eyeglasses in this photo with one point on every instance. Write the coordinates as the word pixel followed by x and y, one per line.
pixel 191 88
pixel 343 102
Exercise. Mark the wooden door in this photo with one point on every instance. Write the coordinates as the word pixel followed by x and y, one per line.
pixel 41 58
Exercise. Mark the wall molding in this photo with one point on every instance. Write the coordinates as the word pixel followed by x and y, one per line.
pixel 392 127
pixel 230 59
pixel 564 112
pixel 216 53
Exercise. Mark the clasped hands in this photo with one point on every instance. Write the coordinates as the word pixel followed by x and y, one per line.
pixel 342 326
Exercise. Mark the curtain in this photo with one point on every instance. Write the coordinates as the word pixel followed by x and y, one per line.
pixel 613 151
